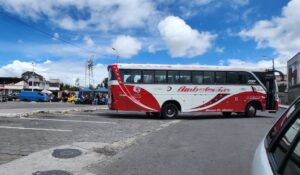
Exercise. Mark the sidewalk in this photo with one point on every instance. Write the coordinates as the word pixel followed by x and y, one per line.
pixel 27 109
pixel 284 106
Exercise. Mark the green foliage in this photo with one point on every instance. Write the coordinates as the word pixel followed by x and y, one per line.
pixel 282 87
pixel 68 87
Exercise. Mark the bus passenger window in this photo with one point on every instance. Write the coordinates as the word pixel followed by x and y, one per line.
pixel 126 75
pixel 160 76
pixel 209 78
pixel 173 77
pixel 136 76
pixel 185 77
pixel 148 77
pixel 197 77
pixel 247 78
pixel 220 77
pixel 233 78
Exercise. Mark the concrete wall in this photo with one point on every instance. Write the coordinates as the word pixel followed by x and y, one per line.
pixel 283 98
pixel 293 94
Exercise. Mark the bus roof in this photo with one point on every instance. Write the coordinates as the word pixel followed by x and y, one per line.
pixel 186 67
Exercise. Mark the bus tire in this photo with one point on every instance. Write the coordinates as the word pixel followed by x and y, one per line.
pixel 169 111
pixel 250 110
pixel 226 114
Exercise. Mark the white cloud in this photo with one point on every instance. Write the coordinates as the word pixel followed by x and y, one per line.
pixel 92 14
pixel 65 70
pixel 126 46
pixel 280 33
pixel 55 36
pixel 20 41
pixel 88 41
pixel 151 48
pixel 220 49
pixel 182 40
pixel 280 63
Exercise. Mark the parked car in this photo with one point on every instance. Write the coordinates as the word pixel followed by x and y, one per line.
pixel 72 99
pixel 3 98
pixel 279 151
pixel 33 96
pixel 12 96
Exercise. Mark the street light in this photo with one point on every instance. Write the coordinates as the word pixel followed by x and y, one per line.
pixel 117 54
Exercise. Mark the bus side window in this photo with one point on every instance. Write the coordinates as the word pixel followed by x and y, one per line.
pixel 220 77
pixel 160 76
pixel 173 77
pixel 126 75
pixel 136 76
pixel 247 78
pixel 233 78
pixel 209 77
pixel 185 77
pixel 197 77
pixel 148 76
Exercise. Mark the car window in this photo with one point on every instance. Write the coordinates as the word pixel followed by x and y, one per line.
pixel 293 163
pixel 284 145
pixel 282 119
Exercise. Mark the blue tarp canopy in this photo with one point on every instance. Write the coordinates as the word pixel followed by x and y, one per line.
pixel 85 90
pixel 101 90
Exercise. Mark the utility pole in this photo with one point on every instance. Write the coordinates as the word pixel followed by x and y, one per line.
pixel 32 77
pixel 89 72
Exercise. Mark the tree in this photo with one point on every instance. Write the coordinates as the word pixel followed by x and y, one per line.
pixel 282 87
pixel 105 82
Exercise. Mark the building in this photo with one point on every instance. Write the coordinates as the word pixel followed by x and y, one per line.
pixel 9 85
pixel 35 81
pixel 293 77
pixel 28 81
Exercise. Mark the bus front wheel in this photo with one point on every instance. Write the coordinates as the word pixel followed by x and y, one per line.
pixel 250 110
pixel 169 111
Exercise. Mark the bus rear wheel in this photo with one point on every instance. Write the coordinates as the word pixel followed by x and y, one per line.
pixel 250 110
pixel 169 111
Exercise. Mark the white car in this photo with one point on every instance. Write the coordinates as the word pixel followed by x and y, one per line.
pixel 279 151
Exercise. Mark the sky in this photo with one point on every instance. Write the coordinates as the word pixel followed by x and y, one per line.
pixel 56 37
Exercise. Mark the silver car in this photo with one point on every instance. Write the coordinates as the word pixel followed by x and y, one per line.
pixel 279 151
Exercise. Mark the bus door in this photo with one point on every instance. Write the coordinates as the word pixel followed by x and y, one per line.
pixel 271 91
pixel 270 82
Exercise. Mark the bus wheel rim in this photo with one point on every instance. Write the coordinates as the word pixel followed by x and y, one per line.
pixel 251 110
pixel 170 112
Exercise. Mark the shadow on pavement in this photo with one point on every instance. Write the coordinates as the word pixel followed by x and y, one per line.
pixel 184 116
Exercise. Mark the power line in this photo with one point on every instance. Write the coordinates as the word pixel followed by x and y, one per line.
pixel 42 32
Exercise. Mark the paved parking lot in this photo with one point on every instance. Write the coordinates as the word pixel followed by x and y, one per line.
pixel 203 143
pixel 22 136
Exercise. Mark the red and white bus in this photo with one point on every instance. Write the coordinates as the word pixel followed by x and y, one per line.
pixel 168 89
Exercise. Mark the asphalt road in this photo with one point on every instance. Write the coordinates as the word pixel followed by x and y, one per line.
pixel 197 144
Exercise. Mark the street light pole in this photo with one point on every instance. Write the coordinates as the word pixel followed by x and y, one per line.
pixel 117 54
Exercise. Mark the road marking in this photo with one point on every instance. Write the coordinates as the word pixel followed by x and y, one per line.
pixel 61 120
pixel 36 129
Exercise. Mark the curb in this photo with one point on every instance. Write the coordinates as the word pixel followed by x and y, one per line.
pixel 284 106
pixel 53 111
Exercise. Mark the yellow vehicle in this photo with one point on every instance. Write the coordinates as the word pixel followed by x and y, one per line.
pixel 72 98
